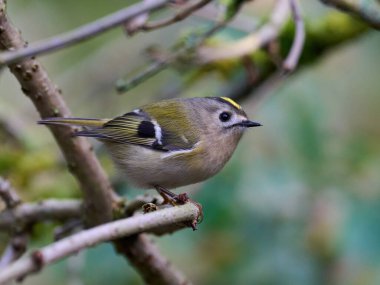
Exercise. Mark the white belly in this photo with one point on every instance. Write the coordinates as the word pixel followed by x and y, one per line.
pixel 146 168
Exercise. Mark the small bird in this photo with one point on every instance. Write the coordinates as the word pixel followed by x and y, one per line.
pixel 170 143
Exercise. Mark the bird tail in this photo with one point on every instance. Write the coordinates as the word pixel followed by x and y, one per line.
pixel 95 123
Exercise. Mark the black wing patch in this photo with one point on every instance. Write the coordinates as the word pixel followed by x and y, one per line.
pixel 133 128
pixel 146 130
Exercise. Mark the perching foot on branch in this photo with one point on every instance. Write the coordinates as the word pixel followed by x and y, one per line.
pixel 170 197
pixel 180 199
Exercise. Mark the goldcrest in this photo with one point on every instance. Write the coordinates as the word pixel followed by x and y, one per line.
pixel 170 143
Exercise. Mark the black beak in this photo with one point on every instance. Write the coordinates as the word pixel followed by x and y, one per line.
pixel 249 124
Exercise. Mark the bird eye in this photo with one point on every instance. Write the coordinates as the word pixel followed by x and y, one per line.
pixel 224 116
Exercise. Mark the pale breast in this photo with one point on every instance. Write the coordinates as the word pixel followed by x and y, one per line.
pixel 145 167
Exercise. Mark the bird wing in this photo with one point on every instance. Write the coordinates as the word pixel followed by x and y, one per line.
pixel 131 128
pixel 139 128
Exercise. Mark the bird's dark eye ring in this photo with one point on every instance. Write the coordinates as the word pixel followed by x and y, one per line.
pixel 224 116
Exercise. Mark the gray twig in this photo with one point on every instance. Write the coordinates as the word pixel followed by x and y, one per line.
pixel 250 43
pixel 46 210
pixel 145 255
pixel 15 248
pixel 123 86
pixel 67 228
pixel 183 14
pixel 291 60
pixel 107 232
pixel 8 194
pixel 368 11
pixel 153 69
pixel 82 33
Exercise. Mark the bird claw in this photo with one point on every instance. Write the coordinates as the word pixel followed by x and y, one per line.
pixel 181 199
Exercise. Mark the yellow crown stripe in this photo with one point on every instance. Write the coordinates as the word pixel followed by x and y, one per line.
pixel 232 102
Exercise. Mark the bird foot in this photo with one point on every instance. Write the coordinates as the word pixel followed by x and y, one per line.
pixel 172 198
pixel 180 199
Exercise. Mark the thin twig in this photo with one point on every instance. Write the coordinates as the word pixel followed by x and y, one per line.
pixel 183 14
pixel 67 229
pixel 82 33
pixel 145 256
pixel 291 60
pixel 59 210
pixel 252 42
pixel 139 23
pixel 123 86
pixel 368 11
pixel 134 24
pixel 46 210
pixel 241 22
pixel 8 194
pixel 91 237
pixel 17 245
pixel 14 250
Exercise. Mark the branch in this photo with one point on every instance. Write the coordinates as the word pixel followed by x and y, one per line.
pixel 14 250
pixel 91 237
pixel 176 18
pixel 153 69
pixel 134 24
pixel 368 10
pixel 54 209
pixel 35 212
pixel 17 245
pixel 165 61
pixel 291 60
pixel 82 33
pixel 139 23
pixel 67 229
pixel 319 42
pixel 47 99
pixel 145 256
pixel 241 22
pixel 251 43
pixel 96 188
pixel 8 194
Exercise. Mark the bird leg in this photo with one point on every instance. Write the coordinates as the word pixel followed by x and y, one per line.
pixel 172 198
pixel 180 199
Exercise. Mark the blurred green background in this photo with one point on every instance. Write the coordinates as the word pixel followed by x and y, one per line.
pixel 299 202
